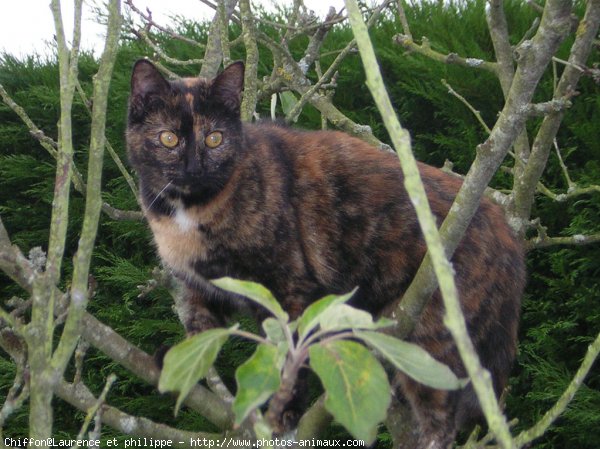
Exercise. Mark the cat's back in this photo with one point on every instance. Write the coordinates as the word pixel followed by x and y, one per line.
pixel 353 211
pixel 334 169
pixel 328 162
pixel 325 148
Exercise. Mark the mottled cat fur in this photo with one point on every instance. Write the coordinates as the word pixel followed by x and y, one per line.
pixel 311 213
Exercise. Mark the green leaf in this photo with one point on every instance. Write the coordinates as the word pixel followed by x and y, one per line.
pixel 288 101
pixel 342 316
pixel 383 322
pixel 255 292
pixel 262 430
pixel 282 352
pixel 310 318
pixel 412 360
pixel 273 330
pixel 257 379
pixel 188 362
pixel 357 391
pixel 292 326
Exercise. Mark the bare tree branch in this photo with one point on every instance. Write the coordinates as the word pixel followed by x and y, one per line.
pixel 559 407
pixel 403 20
pixel 50 145
pixel 577 240
pixel 535 57
pixel 104 338
pixel 145 36
pixel 19 391
pixel 313 48
pixel 453 317
pixel 250 74
pixel 147 18
pixel 82 260
pixel 524 187
pixel 451 58
pixel 213 55
pixel 40 329
pixel 80 397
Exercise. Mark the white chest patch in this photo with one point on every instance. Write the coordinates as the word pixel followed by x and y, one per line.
pixel 183 220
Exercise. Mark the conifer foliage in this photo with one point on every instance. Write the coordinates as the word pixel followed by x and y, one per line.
pixel 447 79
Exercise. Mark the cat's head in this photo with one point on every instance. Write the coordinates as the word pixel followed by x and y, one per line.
pixel 184 136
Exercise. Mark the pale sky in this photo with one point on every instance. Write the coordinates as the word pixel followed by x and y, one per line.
pixel 27 25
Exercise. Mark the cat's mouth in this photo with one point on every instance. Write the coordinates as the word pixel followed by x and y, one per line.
pixel 200 186
pixel 179 186
pixel 185 186
pixel 196 189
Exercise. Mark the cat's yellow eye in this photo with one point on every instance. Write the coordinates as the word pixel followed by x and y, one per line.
pixel 214 139
pixel 168 139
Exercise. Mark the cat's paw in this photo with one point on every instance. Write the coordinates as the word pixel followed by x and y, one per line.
pixel 290 419
pixel 201 323
pixel 159 355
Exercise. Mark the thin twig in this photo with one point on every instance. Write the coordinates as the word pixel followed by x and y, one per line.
pixel 92 411
pixel 549 107
pixel 288 73
pixel 450 58
pixel 82 347
pixel 217 386
pixel 403 20
pixel 50 146
pixel 559 407
pixel 495 195
pixel 530 32
pixel 113 154
pixel 148 19
pixel 311 54
pixel 475 112
pixel 19 391
pixel 79 396
pixel 577 240
pixel 164 70
pixel 302 29
pixel 570 64
pixel 102 337
pixel 535 6
pixel 563 167
pixel 305 98
pixel 143 35
pixel 571 193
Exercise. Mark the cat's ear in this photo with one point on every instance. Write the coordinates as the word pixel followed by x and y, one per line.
pixel 147 80
pixel 227 87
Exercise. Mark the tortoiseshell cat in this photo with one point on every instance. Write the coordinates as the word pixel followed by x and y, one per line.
pixel 307 214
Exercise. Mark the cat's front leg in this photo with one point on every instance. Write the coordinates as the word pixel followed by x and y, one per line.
pixel 434 412
pixel 194 311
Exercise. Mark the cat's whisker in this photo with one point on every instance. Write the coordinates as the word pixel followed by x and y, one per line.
pixel 177 200
pixel 159 194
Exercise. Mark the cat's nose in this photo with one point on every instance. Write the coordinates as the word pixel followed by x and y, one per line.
pixel 192 163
